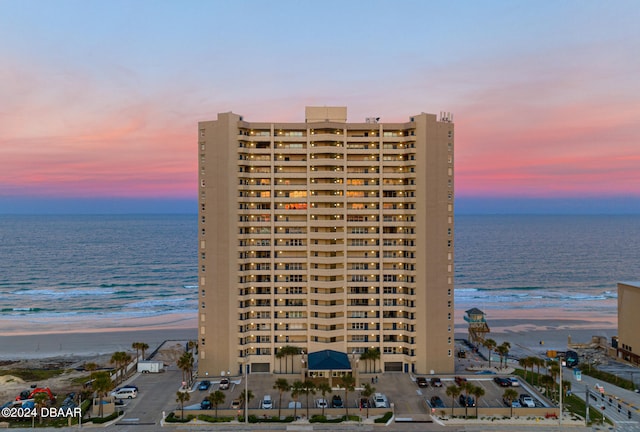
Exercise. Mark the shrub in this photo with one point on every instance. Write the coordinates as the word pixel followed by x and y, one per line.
pixel 113 416
pixel 211 419
pixel 274 419
pixel 385 418
pixel 171 418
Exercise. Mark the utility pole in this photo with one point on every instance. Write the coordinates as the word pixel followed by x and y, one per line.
pixel 561 391
pixel 587 395
pixel 246 391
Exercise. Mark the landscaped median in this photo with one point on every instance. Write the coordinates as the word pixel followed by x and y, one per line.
pixel 377 415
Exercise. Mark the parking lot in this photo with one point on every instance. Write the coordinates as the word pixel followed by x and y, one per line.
pixel 408 401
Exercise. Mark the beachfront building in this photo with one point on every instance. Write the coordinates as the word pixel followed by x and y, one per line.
pixel 325 235
pixel 629 322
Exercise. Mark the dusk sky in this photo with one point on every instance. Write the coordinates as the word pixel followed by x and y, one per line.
pixel 99 100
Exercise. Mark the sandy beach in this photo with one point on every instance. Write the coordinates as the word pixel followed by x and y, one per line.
pixel 69 350
pixel 85 345
pixel 532 334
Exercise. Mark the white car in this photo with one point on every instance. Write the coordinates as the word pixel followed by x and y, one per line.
pixel 267 402
pixel 380 400
pixel 321 403
pixel 514 381
pixel 527 401
pixel 125 393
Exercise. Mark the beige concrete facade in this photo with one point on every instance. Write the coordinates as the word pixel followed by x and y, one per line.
pixel 326 235
pixel 629 321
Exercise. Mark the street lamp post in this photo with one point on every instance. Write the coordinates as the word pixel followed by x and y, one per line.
pixel 246 391
pixel 562 363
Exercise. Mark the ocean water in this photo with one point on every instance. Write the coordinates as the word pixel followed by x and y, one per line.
pixel 523 265
pixel 87 272
pixel 115 271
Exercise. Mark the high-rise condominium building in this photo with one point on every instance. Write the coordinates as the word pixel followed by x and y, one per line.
pixel 326 235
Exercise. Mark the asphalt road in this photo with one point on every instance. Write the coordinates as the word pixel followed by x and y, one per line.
pixel 157 394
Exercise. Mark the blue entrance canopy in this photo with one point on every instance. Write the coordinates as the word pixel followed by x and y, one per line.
pixel 328 360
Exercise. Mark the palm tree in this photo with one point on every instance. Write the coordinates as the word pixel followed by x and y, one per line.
pixel 453 391
pixel 282 385
pixel 366 356
pixel 531 361
pixel 246 398
pixel 478 392
pixel 102 384
pixel 510 395
pixel 136 346
pixel 374 354
pixel 349 383
pixel 216 398
pixel 308 387
pixel 185 363
pixel 143 347
pixel 554 370
pixel 368 392
pixel 181 398
pixel 91 367
pixel 40 400
pixel 290 350
pixel 466 387
pixel 524 363
pixel 507 348
pixel 503 351
pixel 547 381
pixel 324 388
pixel 490 344
pixel 296 389
pixel 119 358
pixel 538 362
pixel 280 355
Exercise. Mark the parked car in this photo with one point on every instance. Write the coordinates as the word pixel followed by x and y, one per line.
pixel 204 385
pixel 435 382
pixel 466 401
pixel 321 403
pixel 224 384
pixel 422 382
pixel 267 402
pixel 364 403
pixel 205 404
pixel 237 403
pixel 336 402
pixel 436 402
pixel 380 400
pixel 460 380
pixel 502 382
pixel 514 382
pixel 128 386
pixel 125 393
pixel 527 401
pixel 513 404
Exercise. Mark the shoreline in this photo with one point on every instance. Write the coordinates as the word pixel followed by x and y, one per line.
pixel 87 344
pixel 524 335
pixel 41 326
